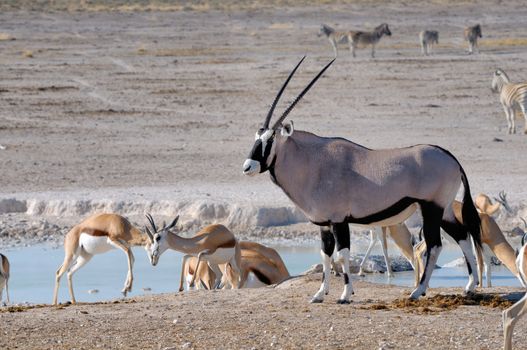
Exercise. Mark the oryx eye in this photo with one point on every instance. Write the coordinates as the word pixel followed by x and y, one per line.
pixel 158 238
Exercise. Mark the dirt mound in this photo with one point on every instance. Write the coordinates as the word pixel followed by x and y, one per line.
pixel 443 302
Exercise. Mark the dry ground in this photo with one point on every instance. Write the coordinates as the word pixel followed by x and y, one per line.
pixel 280 318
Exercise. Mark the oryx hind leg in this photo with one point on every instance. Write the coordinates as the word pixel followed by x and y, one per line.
pixel 341 232
pixel 460 234
pixel 326 251
pixel 432 215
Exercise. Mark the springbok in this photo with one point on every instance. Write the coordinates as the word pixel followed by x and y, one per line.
pixel 513 314
pixel 493 243
pixel 401 237
pixel 336 182
pixel 214 243
pixel 260 266
pixel 4 277
pixel 98 234
pixel 205 276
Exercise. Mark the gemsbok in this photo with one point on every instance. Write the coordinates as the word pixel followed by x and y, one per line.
pixel 512 96
pixel 98 234
pixel 336 182
pixel 4 277
pixel 214 244
pixel 471 34
pixel 513 314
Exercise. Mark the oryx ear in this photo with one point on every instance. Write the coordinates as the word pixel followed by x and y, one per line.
pixel 287 129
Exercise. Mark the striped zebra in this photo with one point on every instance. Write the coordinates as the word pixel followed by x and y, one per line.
pixel 471 35
pixel 511 96
pixel 334 37
pixel 427 38
pixel 368 38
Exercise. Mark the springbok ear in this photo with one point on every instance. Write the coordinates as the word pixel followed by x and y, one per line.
pixel 173 223
pixel 287 129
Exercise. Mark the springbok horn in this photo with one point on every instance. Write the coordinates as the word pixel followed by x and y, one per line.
pixel 270 114
pixel 149 234
pixel 151 220
pixel 524 222
pixel 290 108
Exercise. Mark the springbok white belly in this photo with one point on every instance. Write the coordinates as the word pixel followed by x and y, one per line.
pixel 95 245
pixel 253 282
pixel 221 255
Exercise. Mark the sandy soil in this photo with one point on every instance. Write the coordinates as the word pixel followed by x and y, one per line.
pixel 266 318
pixel 165 105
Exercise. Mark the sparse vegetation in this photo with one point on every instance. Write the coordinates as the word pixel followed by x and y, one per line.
pixel 27 53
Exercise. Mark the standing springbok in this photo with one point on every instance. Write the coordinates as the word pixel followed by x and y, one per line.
pixel 512 95
pixel 4 277
pixel 214 243
pixel 98 234
pixel 513 314
pixel 336 182
pixel 402 238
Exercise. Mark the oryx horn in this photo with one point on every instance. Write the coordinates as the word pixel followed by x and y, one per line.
pixel 270 114
pixel 299 97
pixel 151 220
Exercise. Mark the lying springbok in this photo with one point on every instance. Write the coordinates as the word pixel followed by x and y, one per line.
pixel 260 266
pixel 493 243
pixel 336 182
pixel 214 243
pixel 98 234
pixel 513 314
pixel 4 277
pixel 401 237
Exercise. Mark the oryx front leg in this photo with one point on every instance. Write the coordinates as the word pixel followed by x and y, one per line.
pixel 432 215
pixel 326 251
pixel 341 232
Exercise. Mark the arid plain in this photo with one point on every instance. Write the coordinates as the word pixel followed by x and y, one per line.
pixel 163 105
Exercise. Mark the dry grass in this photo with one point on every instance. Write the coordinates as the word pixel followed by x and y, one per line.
pixel 141 50
pixel 504 42
pixel 439 303
pixel 189 52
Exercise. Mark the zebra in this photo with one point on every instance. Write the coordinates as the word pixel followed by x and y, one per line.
pixel 334 37
pixel 511 96
pixel 336 182
pixel 368 38
pixel 427 38
pixel 471 34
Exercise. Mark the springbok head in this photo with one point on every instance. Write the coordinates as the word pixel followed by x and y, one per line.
pixel 262 154
pixel 502 199
pixel 158 238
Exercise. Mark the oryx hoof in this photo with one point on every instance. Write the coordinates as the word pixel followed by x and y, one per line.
pixel 343 302
pixel 469 293
pixel 316 301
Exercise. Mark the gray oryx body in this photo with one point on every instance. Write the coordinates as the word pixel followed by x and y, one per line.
pixel 336 182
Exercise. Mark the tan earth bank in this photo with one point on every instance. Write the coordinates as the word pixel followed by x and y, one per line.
pixel 135 111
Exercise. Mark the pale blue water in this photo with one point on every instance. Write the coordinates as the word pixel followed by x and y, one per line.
pixel 33 273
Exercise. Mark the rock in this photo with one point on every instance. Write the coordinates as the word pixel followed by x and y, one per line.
pixel 186 345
